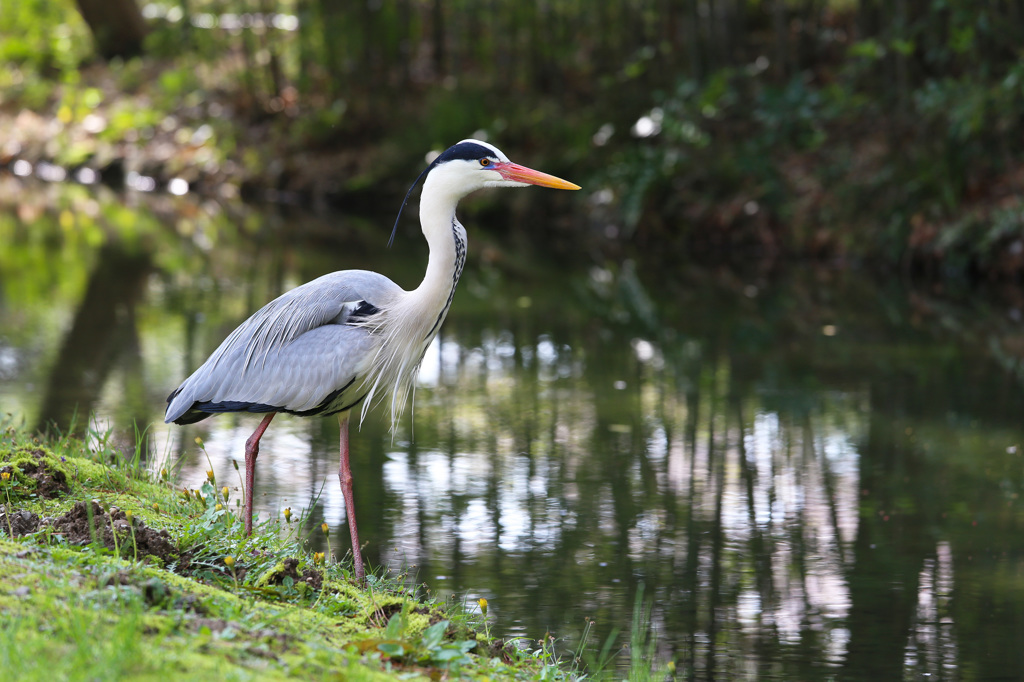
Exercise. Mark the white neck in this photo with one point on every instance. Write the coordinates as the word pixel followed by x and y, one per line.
pixel 437 220
pixel 408 324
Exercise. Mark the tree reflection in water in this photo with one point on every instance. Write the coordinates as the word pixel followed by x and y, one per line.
pixel 739 526
pixel 793 515
pixel 104 332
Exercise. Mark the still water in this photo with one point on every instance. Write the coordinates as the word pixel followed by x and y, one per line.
pixel 806 472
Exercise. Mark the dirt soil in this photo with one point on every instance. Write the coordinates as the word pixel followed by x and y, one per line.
pixel 19 522
pixel 87 521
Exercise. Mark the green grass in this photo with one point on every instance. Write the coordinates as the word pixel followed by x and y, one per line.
pixel 121 600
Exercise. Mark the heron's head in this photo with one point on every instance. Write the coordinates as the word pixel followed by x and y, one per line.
pixel 471 165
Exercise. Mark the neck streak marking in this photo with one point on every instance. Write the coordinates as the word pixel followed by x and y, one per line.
pixel 460 261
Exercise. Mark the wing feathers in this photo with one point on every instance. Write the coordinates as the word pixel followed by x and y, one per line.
pixel 294 353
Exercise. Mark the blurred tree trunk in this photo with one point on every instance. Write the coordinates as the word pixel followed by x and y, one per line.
pixel 438 31
pixel 779 29
pixel 117 26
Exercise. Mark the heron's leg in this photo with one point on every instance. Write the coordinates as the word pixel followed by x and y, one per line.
pixel 345 476
pixel 252 449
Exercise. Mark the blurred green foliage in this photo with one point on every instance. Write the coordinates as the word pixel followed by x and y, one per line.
pixel 45 35
pixel 869 131
pixel 815 126
pixel 42 42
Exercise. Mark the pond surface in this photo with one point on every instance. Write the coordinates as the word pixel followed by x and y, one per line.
pixel 805 473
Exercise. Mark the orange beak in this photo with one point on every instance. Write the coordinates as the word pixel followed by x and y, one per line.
pixel 513 171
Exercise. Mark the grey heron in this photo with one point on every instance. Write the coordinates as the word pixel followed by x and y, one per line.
pixel 352 336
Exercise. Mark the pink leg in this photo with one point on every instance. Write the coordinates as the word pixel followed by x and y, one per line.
pixel 345 476
pixel 252 449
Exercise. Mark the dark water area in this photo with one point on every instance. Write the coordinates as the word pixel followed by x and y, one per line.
pixel 805 472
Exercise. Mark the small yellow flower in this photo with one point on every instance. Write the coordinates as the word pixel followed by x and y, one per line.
pixel 5 476
pixel 318 558
pixel 483 606
pixel 128 515
pixel 199 441
pixel 163 474
pixel 229 561
pixel 224 491
pixel 288 514
pixel 209 475
pixel 185 493
pixel 156 507
pixel 324 528
pixel 218 507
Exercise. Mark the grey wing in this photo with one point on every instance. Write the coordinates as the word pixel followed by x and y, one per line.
pixel 302 352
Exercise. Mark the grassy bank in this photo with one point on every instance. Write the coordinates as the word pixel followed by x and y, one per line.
pixel 108 572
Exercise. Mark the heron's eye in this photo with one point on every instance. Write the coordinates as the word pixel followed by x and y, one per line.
pixel 485 162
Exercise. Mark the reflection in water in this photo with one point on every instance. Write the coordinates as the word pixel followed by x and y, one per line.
pixel 104 332
pixel 739 524
pixel 810 475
